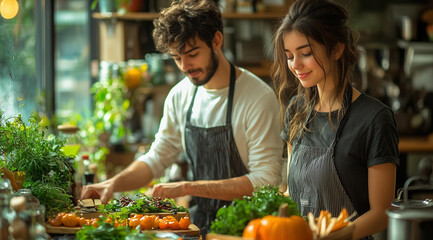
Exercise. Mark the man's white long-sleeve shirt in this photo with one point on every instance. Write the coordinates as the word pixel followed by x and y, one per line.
pixel 255 122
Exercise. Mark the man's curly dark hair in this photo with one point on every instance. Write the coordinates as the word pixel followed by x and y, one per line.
pixel 179 24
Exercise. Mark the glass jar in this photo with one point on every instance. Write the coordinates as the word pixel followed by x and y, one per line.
pixel 72 147
pixel 5 187
pixel 31 200
pixel 5 212
pixel 69 133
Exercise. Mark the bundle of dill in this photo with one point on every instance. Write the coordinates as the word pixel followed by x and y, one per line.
pixel 25 148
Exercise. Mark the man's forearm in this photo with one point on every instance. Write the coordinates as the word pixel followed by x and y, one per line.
pixel 138 174
pixel 226 189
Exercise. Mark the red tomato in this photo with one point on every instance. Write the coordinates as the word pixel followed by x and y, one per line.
pixel 94 223
pixel 156 223
pixel 138 216
pixel 174 225
pixel 81 221
pixel 163 225
pixel 134 222
pixel 146 223
pixel 184 223
pixel 69 220
pixel 55 221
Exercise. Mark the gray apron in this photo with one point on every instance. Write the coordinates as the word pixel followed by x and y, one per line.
pixel 212 154
pixel 313 180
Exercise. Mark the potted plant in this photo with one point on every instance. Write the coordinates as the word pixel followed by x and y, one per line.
pixel 105 131
pixel 109 6
pixel 26 150
pixel 106 134
pixel 106 6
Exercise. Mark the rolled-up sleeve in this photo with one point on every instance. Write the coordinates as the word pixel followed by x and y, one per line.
pixel 265 146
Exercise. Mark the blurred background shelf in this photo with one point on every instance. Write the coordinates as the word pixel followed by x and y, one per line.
pixel 147 16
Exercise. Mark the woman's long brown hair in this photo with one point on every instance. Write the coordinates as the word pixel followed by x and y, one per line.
pixel 325 23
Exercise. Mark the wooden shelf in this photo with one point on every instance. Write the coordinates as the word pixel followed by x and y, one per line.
pixel 148 16
pixel 137 16
pixel 257 15
pixel 263 70
pixel 416 144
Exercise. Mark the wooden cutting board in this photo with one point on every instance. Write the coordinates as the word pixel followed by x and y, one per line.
pixel 342 234
pixel 61 230
pixel 215 236
pixel 192 230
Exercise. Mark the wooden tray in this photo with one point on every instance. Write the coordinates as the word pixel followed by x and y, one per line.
pixel 342 234
pixel 61 230
pixel 192 231
pixel 215 236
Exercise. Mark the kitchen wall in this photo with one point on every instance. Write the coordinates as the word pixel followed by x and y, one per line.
pixel 398 72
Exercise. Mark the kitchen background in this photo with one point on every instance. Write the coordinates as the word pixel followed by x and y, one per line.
pixel 63 58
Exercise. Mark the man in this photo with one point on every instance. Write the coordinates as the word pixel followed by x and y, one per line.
pixel 223 117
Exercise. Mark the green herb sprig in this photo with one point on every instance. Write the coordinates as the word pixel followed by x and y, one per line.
pixel 107 231
pixel 25 148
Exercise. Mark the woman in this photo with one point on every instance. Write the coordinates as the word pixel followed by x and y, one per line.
pixel 342 143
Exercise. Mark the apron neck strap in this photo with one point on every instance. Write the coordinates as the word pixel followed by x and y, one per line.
pixel 231 94
pixel 347 103
pixel 230 97
pixel 188 114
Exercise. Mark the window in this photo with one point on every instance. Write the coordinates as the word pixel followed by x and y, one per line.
pixel 45 59
pixel 19 84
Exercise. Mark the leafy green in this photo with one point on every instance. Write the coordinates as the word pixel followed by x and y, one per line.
pixel 107 231
pixel 25 148
pixel 232 219
pixel 143 204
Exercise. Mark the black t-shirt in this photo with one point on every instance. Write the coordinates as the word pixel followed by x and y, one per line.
pixel 368 138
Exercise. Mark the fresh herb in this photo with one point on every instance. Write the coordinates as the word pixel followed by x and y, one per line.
pixel 107 231
pixel 232 219
pixel 124 206
pixel 25 149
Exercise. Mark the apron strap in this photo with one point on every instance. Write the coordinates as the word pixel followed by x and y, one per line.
pixel 231 94
pixel 230 98
pixel 347 103
pixel 188 114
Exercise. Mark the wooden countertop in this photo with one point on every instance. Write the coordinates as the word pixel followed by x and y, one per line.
pixel 416 144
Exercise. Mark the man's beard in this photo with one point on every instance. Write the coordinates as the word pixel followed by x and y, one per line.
pixel 210 70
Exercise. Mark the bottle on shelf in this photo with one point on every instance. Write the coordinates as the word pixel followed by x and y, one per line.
pixel 72 142
pixel 88 175
pixel 72 148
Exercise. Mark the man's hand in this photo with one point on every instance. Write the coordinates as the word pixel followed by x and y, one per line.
pixel 169 190
pixel 103 190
